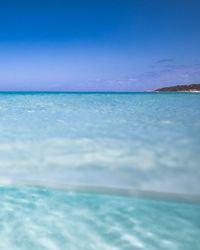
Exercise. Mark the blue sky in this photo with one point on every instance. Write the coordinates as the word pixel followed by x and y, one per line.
pixel 98 45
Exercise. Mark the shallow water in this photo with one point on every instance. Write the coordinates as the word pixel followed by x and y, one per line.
pixel 38 218
pixel 145 141
pixel 134 157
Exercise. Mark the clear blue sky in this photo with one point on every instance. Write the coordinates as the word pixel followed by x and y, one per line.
pixel 98 45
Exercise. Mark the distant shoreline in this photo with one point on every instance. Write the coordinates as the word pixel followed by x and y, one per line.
pixel 192 88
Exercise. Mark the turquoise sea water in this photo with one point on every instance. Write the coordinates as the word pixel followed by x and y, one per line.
pixel 32 218
pixel 146 143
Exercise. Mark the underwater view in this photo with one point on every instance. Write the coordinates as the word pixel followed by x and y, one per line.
pixel 99 171
pixel 41 218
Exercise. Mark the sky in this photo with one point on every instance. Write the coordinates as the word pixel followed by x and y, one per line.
pixel 98 45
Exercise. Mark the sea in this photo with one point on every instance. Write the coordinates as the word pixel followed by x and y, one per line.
pixel 112 171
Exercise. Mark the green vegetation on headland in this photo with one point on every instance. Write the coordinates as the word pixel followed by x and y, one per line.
pixel 180 88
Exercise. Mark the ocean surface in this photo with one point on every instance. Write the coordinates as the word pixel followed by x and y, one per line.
pixel 100 171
